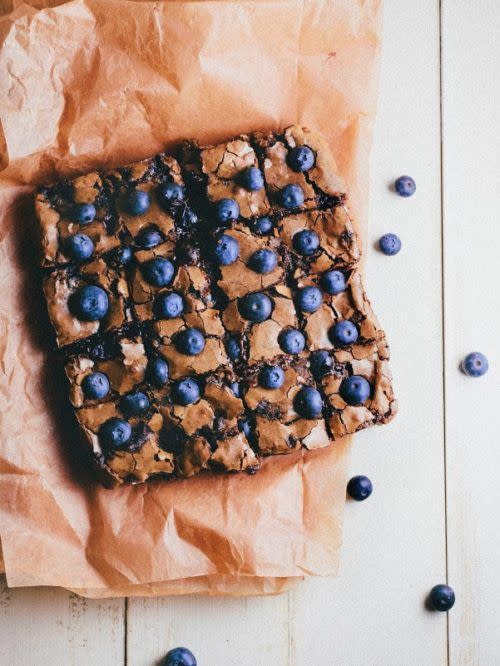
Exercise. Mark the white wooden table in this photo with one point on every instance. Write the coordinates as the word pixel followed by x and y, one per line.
pixel 433 515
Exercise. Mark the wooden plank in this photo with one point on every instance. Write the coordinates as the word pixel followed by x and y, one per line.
pixel 246 632
pixel 40 626
pixel 394 545
pixel 471 185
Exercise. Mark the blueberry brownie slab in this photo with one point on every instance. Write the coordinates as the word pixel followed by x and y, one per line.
pixel 209 307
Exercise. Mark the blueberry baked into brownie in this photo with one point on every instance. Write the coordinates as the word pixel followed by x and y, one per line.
pixel 209 307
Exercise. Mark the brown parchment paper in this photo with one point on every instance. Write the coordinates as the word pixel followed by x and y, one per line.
pixel 96 83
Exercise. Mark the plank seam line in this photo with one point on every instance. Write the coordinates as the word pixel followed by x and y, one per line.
pixel 443 312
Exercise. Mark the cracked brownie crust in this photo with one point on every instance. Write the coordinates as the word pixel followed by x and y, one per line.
pixel 210 309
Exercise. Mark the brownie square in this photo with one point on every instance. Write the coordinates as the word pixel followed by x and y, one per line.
pixel 279 428
pixel 66 289
pixel 61 214
pixel 346 411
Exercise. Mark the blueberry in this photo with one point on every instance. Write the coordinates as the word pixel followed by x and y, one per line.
pixel 137 202
pixel 252 179
pixel 359 488
pixel 263 261
pixel 292 196
pixel 292 341
pixel 169 192
pixel 389 244
pixel 179 656
pixel 255 307
pixel 475 364
pixel 405 186
pixel 89 303
pixel 157 372
pixel 233 349
pixel 235 388
pixel 148 238
pixel 83 213
pixel 305 242
pixel 190 341
pixel 227 210
pixel 321 363
pixel 123 255
pixel 189 218
pixel 169 306
pixel 158 271
pixel 309 299
pixel 79 247
pixel 308 403
pixel 186 391
pixel 226 250
pixel 134 404
pixel 262 225
pixel 442 597
pixel 271 377
pixel 115 433
pixel 355 390
pixel 344 333
pixel 95 386
pixel 301 158
pixel 244 427
pixel 333 282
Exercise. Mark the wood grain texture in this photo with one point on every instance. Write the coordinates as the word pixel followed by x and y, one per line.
pixel 45 626
pixel 471 186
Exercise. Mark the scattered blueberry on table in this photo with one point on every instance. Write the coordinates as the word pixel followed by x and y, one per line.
pixel 441 597
pixel 309 299
pixel 475 364
pixel 344 333
pixel 301 158
pixel 137 202
pixel 148 238
pixel 169 192
pixel 308 403
pixel 169 306
pixel 227 210
pixel 389 244
pixel 95 386
pixel 83 213
pixel 262 225
pixel 405 186
pixel 292 341
pixel 263 261
pixel 359 488
pixel 255 307
pixel 158 271
pixel 292 196
pixel 252 179
pixel 355 390
pixel 89 303
pixel 134 404
pixel 158 372
pixel 186 391
pixel 226 250
pixel 79 247
pixel 271 377
pixel 333 282
pixel 305 242
pixel 190 341
pixel 115 433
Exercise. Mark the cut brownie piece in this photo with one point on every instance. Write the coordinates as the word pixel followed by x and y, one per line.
pixel 357 386
pixel 191 339
pixel 220 172
pixel 294 181
pixel 279 427
pixel 151 274
pixel 261 338
pixel 84 206
pixel 86 299
pixel 122 361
